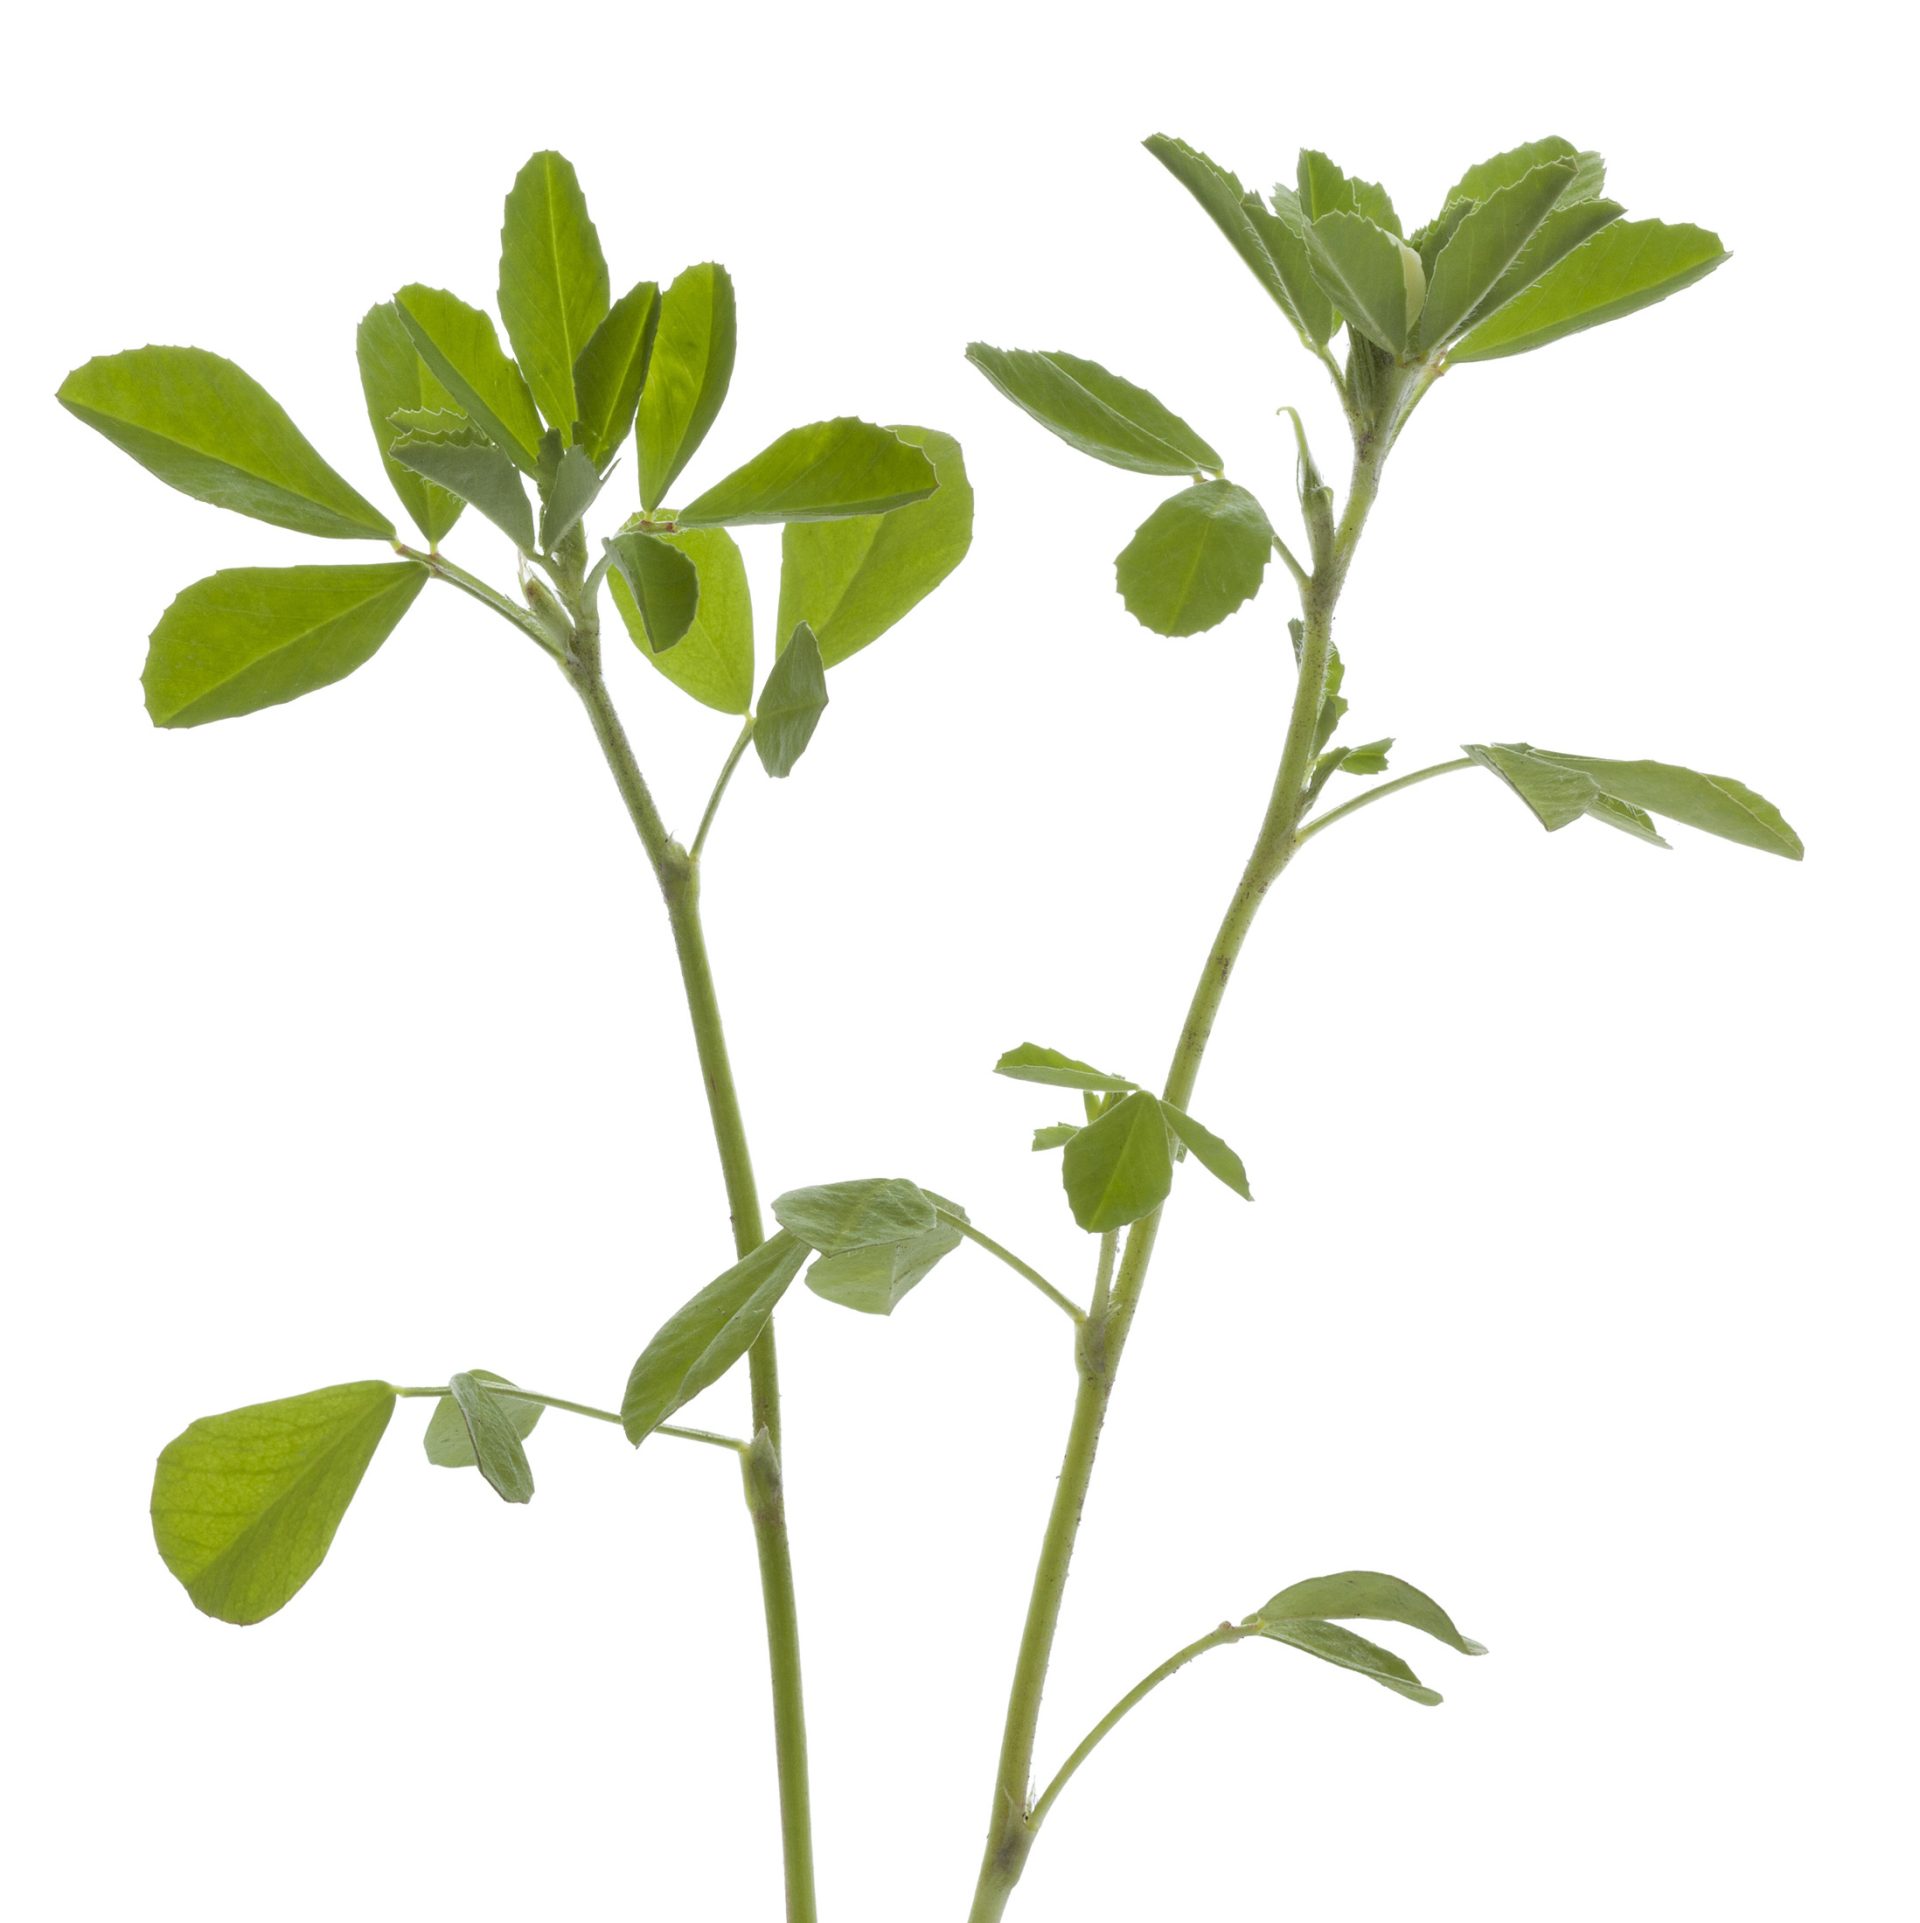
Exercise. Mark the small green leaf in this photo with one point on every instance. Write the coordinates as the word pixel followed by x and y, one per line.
pixel 838 1216
pixel 248 638
pixel 467 464
pixel 245 1504
pixel 1716 804
pixel 1195 558
pixel 1208 1150
pixel 447 1443
pixel 1369 758
pixel 713 660
pixel 612 369
pixel 553 282
pixel 1366 1595
pixel 1485 244
pixel 208 428
pixel 1623 815
pixel 1343 1648
pixel 1095 411
pixel 494 1433
pixel 828 471
pixel 791 704
pixel 704 1339
pixel 394 378
pixel 464 354
pixel 852 580
pixel 1372 276
pixel 1483 181
pixel 1627 265
pixel 1120 1166
pixel 1047 1066
pixel 875 1280
pixel 1057 1135
pixel 574 488
pixel 662 583
pixel 688 379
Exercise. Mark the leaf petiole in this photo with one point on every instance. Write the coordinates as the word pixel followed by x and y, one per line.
pixel 1062 1302
pixel 727 767
pixel 513 1392
pixel 1386 788
pixel 442 569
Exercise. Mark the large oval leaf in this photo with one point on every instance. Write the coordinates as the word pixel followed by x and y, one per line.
pixel 688 379
pixel 713 659
pixel 393 377
pixel 1195 558
pixel 1095 411
pixel 827 471
pixel 553 282
pixel 245 1504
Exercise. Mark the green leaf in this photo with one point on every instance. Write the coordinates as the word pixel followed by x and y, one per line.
pixel 494 1433
pixel 1342 1647
pixel 1095 411
pixel 1373 277
pixel 245 1504
pixel 1368 758
pixel 662 583
pixel 447 1443
pixel 1627 265
pixel 1716 804
pixel 1325 189
pixel 464 354
pixel 1630 820
pixel 612 369
pixel 1058 1135
pixel 1557 796
pixel 248 638
pixel 1485 244
pixel 1570 224
pixel 713 660
pixel 1120 1166
pixel 574 488
pixel 852 580
pixel 791 704
pixel 553 282
pixel 1208 1150
pixel 1489 177
pixel 1366 1595
pixel 687 381
pixel 1195 558
pixel 1047 1066
pixel 204 426
pixel 838 1216
pixel 393 377
pixel 828 471
pixel 1268 245
pixel 704 1339
pixel 465 463
pixel 874 1279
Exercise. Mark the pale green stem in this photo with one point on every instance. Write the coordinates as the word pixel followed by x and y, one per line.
pixel 1300 575
pixel 720 788
pixel 1386 788
pixel 444 570
pixel 1103 1272
pixel 1020 1268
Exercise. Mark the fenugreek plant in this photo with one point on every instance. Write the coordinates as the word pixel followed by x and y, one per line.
pixel 1526 249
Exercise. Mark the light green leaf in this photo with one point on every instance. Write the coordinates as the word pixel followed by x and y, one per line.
pixel 612 369
pixel 447 1443
pixel 688 379
pixel 1325 189
pixel 1627 265
pixel 394 378
pixel 1195 558
pixel 1557 796
pixel 704 1339
pixel 1572 222
pixel 1487 178
pixel 464 354
pixel 495 1436
pixel 1485 244
pixel 852 580
pixel 1208 1150
pixel 828 471
pixel 713 660
pixel 837 1216
pixel 1623 815
pixel 1366 1595
pixel 245 1504
pixel 1716 804
pixel 574 488
pixel 1368 758
pixel 1372 276
pixel 1120 1166
pixel 248 638
pixel 1047 1066
pixel 1343 1648
pixel 874 1280
pixel 791 704
pixel 1095 411
pixel 662 583
pixel 203 425
pixel 553 282
pixel 465 463
pixel 1057 1135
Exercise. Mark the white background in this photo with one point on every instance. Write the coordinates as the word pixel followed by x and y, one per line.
pixel 345 1040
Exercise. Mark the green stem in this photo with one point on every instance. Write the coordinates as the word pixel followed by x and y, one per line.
pixel 1013 1262
pixel 720 788
pixel 442 569
pixel 1380 793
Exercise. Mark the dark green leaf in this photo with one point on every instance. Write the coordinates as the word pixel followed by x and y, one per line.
pixel 703 1340
pixel 206 427
pixel 791 703
pixel 447 1443
pixel 1366 1595
pixel 713 660
pixel 1342 1647
pixel 828 471
pixel 1095 411
pixel 1195 558
pixel 687 381
pixel 612 369
pixel 494 1434
pixel 837 1216
pixel 1717 804
pixel 1372 276
pixel 662 583
pixel 852 580
pixel 1208 1150
pixel 1032 1063
pixel 247 638
pixel 1120 1166
pixel 1057 1135
pixel 245 1504
pixel 464 354
pixel 553 283
pixel 574 488
pixel 394 377
pixel 466 463
pixel 1486 243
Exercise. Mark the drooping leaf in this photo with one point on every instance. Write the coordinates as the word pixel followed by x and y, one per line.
pixel 1195 558
pixel 245 1504
pixel 393 377
pixel 662 583
pixel 1485 244
pixel 1056 1135
pixel 705 1338
pixel 828 471
pixel 1208 1150
pixel 612 369
pixel 837 1216
pixel 464 354
pixel 852 580
pixel 1366 1595
pixel 713 660
pixel 1120 1166
pixel 553 283
pixel 688 378
pixel 1095 411
pixel 1345 1650
pixel 875 1279
pixel 1047 1066
pixel 465 463
pixel 1486 178
pixel 574 488
pixel 494 1433
pixel 1558 796
pixel 248 638
pixel 1625 266
pixel 791 704
pixel 208 428
pixel 1372 276
pixel 1716 804
pixel 447 1443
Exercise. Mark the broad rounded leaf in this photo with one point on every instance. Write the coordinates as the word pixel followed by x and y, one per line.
pixel 1047 1066
pixel 447 1443
pixel 1120 1166
pixel 713 660
pixel 1095 411
pixel 791 704
pixel 1208 1150
pixel 1367 1595
pixel 245 1504
pixel 210 429
pixel 688 379
pixel 394 377
pixel 494 1432
pixel 1343 1648
pixel 553 282
pixel 248 638
pixel 612 369
pixel 663 586
pixel 828 471
pixel 1195 558
pixel 461 349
